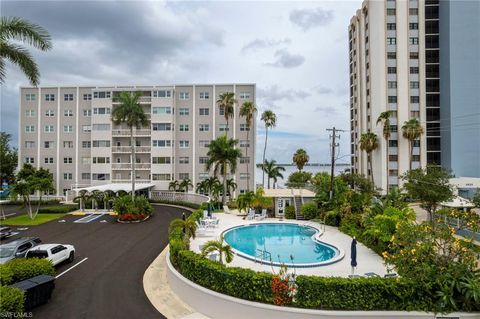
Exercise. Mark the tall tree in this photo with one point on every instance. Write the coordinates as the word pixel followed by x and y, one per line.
pixel 273 171
pixel 270 120
pixel 130 112
pixel 248 110
pixel 300 158
pixel 222 155
pixel 384 118
pixel 412 130
pixel 369 143
pixel 8 159
pixel 14 29
pixel 226 102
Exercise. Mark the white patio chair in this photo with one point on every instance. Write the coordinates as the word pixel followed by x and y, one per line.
pixel 251 214
pixel 262 216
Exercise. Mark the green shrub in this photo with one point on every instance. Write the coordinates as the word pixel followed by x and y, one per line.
pixel 290 212
pixel 138 206
pixel 332 218
pixel 27 268
pixel 58 209
pixel 6 275
pixel 11 301
pixel 309 210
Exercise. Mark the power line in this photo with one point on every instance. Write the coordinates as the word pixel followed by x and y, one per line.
pixel 334 145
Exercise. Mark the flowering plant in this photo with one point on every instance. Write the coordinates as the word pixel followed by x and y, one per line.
pixel 284 287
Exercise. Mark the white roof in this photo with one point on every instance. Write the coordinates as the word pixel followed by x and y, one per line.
pixel 115 187
pixel 458 202
pixel 288 192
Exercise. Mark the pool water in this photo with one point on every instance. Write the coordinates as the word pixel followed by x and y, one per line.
pixel 280 241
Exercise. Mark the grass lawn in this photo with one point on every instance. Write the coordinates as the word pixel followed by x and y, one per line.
pixel 24 220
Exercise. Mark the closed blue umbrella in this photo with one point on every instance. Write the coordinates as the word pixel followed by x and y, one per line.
pixel 353 255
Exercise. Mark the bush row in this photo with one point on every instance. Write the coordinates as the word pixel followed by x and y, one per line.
pixel 20 269
pixel 58 209
pixel 11 301
pixel 33 202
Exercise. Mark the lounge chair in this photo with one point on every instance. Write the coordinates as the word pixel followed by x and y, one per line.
pixel 262 216
pixel 205 214
pixel 390 275
pixel 251 214
pixel 371 274
pixel 201 229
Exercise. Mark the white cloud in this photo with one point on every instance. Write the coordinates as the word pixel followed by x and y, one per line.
pixel 309 18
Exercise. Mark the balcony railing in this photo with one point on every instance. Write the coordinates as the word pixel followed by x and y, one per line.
pixel 141 99
pixel 127 149
pixel 127 132
pixel 126 166
pixel 129 180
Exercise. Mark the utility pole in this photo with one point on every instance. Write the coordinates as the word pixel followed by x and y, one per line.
pixel 332 168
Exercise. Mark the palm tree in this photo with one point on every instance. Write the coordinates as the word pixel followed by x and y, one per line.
pixel 272 170
pixel 109 196
pixel 222 153
pixel 300 158
pixel 218 246
pixel 201 187
pixel 83 196
pixel 131 113
pixel 18 29
pixel 173 186
pixel 412 130
pixel 368 143
pixel 248 110
pixel 270 120
pixel 384 118
pixel 185 184
pixel 275 174
pixel 226 102
pixel 187 226
pixel 245 200
pixel 231 186
pixel 97 197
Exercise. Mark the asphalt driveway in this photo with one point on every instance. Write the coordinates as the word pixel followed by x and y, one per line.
pixel 108 284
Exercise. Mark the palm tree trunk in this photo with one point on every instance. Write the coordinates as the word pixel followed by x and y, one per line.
pixel 387 161
pixel 132 142
pixel 371 167
pixel 264 150
pixel 226 129
pixel 268 182
pixel 224 184
pixel 410 155
pixel 246 156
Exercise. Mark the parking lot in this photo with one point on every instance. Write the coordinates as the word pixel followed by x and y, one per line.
pixel 105 279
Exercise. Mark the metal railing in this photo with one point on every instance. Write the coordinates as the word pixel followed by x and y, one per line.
pixel 135 132
pixel 179 197
pixel 128 149
pixel 129 180
pixel 129 166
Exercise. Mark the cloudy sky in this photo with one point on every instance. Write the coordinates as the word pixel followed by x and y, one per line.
pixel 296 53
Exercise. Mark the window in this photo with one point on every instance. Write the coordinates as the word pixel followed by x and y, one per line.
pixel 183 160
pixel 414 99
pixel 49 113
pixel 391 12
pixel 30 97
pixel 86 160
pixel 67 144
pixel 202 160
pixel 49 129
pixel 184 111
pixel 244 143
pixel 162 143
pixel 393 143
pixel 414 70
pixel 68 113
pixel 413 11
pixel 102 95
pixel 161 126
pixel 101 110
pixel 29 160
pixel 86 128
pixel 50 97
pixel 391 55
pixel 392 84
pixel 202 176
pixel 392 172
pixel 244 176
pixel 204 95
pixel 86 144
pixel 101 127
pixel 161 177
pixel 162 93
pixel 87 97
pixel 101 143
pixel 184 144
pixel 29 144
pixel 391 40
pixel 223 128
pixel 415 158
pixel 413 26
pixel 67 160
pixel 48 160
pixel 414 55
pixel 30 113
pixel 244 160
pixel 68 128
pixel 101 160
pixel 68 97
pixel 203 127
pixel 48 144
pixel 87 112
pixel 221 111
pixel 85 176
pixel 244 95
pixel 392 99
pixel 30 129
pixel 393 158
pixel 244 127
pixel 392 70
pixel 204 143
pixel 413 40
pixel 204 111
pixel 414 84
pixel 101 177
pixel 162 110
pixel 391 26
pixel 161 160
pixel 183 128
pixel 415 114
pixel 184 95
pixel 67 176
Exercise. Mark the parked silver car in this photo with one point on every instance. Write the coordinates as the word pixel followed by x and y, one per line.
pixel 17 248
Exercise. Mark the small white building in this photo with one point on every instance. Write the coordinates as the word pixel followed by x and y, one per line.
pixel 284 197
pixel 465 187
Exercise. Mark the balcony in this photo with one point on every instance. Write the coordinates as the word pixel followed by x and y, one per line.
pixel 128 166
pixel 141 99
pixel 127 149
pixel 126 133
pixel 137 180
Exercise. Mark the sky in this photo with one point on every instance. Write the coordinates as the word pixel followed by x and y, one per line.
pixel 296 52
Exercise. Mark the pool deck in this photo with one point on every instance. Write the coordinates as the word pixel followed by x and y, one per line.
pixel 368 261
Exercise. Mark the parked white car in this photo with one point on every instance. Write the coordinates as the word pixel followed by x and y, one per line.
pixel 56 253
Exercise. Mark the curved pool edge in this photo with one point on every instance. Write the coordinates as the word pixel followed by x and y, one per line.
pixel 315 237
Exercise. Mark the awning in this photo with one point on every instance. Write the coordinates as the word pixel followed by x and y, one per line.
pixel 115 187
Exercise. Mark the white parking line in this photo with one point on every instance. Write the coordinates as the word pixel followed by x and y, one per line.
pixel 81 261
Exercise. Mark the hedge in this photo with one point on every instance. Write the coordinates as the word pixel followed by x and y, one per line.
pixel 290 212
pixel 22 269
pixel 11 301
pixel 309 210
pixel 6 275
pixel 58 209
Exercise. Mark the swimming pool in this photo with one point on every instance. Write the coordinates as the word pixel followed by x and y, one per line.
pixel 276 243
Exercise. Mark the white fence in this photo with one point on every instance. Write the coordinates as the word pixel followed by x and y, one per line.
pixel 179 197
